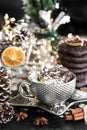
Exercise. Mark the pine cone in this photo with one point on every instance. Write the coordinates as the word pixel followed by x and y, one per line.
pixel 6 112
pixel 4 85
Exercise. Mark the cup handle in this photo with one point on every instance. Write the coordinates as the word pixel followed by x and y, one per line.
pixel 24 90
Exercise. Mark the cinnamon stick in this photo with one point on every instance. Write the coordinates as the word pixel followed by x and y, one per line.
pixel 69 117
pixel 79 114
pixel 78 118
pixel 75 114
pixel 76 110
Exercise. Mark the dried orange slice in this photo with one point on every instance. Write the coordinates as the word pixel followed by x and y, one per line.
pixel 74 43
pixel 13 56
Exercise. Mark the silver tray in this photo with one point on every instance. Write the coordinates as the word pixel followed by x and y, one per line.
pixel 58 110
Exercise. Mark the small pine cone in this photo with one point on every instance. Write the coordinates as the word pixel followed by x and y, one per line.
pixel 4 85
pixel 6 112
pixel 4 45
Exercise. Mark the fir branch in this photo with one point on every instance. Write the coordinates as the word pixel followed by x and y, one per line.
pixel 32 7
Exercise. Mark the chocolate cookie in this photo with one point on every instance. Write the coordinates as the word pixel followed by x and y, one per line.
pixel 70 58
pixel 77 51
pixel 81 84
pixel 76 71
pixel 74 65
pixel 81 77
pixel 72 53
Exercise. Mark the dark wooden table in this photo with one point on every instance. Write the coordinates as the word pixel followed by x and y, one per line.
pixel 54 122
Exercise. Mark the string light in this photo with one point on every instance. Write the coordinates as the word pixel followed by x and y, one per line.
pixel 20 35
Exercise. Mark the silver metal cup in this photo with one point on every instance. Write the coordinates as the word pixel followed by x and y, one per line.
pixel 53 93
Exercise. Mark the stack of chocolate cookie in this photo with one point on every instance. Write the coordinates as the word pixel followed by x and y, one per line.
pixel 73 55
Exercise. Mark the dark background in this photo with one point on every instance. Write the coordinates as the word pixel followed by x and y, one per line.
pixel 12 7
pixel 77 9
pixel 54 122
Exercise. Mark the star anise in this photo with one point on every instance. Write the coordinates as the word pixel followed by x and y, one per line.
pixel 40 121
pixel 21 116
